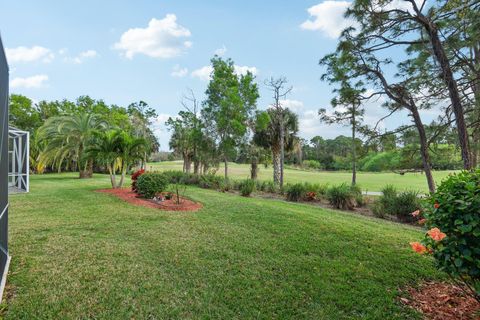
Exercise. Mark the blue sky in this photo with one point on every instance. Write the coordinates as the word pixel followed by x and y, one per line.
pixel 126 51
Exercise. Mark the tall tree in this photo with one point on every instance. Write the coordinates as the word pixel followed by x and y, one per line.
pixel 280 92
pixel 230 102
pixel 383 25
pixel 269 136
pixel 347 109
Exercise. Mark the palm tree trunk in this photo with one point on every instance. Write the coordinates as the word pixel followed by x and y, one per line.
pixel 122 177
pixel 276 158
pixel 112 176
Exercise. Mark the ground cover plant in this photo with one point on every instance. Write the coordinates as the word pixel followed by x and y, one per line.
pixel 235 258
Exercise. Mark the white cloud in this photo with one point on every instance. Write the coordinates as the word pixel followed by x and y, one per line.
pixel 221 51
pixel 328 18
pixel 36 81
pixel 163 38
pixel 179 72
pixel 82 56
pixel 25 54
pixel 294 105
pixel 242 70
pixel 204 73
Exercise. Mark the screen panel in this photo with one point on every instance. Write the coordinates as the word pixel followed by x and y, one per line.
pixel 4 163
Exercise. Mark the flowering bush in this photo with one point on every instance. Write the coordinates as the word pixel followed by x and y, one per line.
pixel 135 176
pixel 452 217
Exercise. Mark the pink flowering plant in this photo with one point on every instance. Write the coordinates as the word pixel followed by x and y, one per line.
pixel 451 217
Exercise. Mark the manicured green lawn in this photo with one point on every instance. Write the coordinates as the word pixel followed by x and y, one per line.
pixel 82 254
pixel 370 181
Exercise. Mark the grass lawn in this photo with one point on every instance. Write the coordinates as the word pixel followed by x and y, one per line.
pixel 370 181
pixel 82 254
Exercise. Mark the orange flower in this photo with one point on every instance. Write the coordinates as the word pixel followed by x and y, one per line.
pixel 418 247
pixel 415 213
pixel 422 221
pixel 436 234
pixel 436 205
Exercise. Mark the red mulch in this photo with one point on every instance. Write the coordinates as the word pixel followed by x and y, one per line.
pixel 442 301
pixel 131 197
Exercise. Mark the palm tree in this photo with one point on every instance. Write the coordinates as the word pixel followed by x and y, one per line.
pixel 105 149
pixel 117 151
pixel 131 149
pixel 270 137
pixel 66 138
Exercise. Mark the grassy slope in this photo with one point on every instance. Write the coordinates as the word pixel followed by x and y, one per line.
pixel 81 254
pixel 370 181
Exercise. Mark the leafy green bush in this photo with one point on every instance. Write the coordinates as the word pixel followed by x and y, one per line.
pixel 312 164
pixel 452 215
pixel 341 196
pixel 397 204
pixel 211 181
pixel 269 186
pixel 149 184
pixel 296 192
pixel 247 187
pixel 378 210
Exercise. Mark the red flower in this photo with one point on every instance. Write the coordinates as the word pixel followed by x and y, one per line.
pixel 422 221
pixel 436 205
pixel 418 247
pixel 436 234
pixel 415 213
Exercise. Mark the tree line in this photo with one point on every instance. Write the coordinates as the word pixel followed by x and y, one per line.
pixel 85 135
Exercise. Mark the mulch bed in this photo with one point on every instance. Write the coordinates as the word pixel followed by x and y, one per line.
pixel 129 196
pixel 442 301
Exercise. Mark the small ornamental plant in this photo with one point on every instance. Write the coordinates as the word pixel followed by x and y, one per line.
pixel 134 178
pixel 451 217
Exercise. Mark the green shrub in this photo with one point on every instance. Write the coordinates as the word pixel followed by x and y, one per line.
pixel 211 181
pixel 378 210
pixel 296 192
pixel 341 196
pixel 397 204
pixel 149 184
pixel 406 203
pixel 247 187
pixel 454 209
pixel 312 164
pixel 269 186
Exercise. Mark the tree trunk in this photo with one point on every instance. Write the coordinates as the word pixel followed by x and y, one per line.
pixel 196 167
pixel 254 169
pixel 112 177
pixel 188 164
pixel 205 168
pixel 276 158
pixel 451 84
pixel 87 172
pixel 122 177
pixel 423 148
pixel 282 148
pixel 226 168
pixel 354 150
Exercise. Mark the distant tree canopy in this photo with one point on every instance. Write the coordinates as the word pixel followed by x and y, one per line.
pixel 62 131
